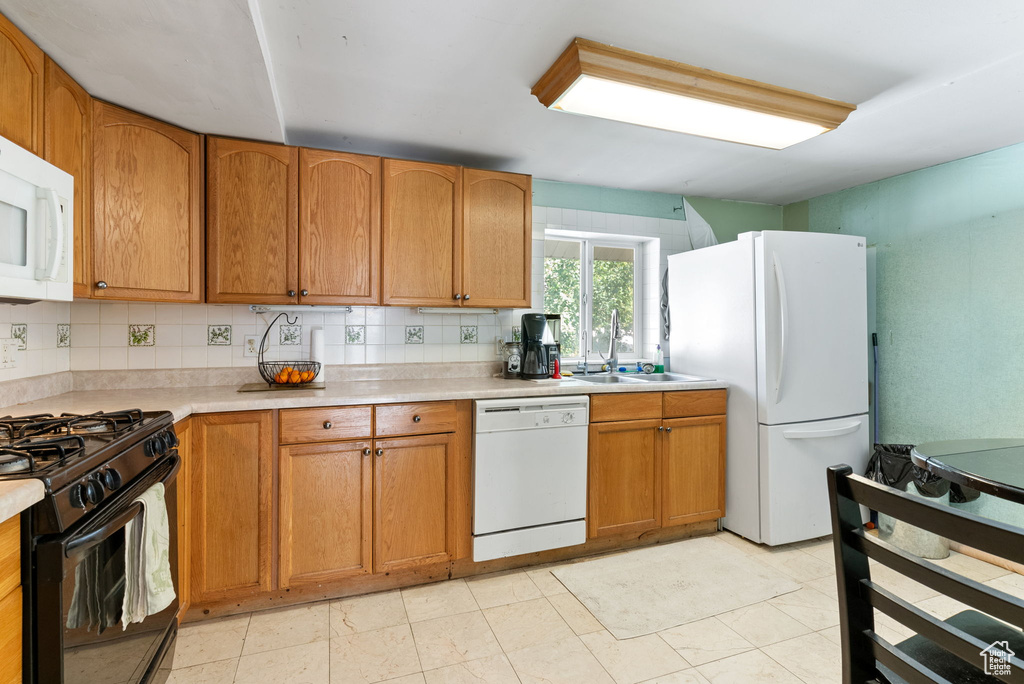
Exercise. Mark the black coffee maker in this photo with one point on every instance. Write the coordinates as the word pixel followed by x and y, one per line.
pixel 535 351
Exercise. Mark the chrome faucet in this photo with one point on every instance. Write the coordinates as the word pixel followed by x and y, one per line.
pixel 616 333
pixel 582 367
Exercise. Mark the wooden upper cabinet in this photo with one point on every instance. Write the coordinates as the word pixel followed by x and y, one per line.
pixel 252 215
pixel 422 232
pixel 21 88
pixel 623 477
pixel 325 512
pixel 67 144
pixel 339 228
pixel 496 238
pixel 231 505
pixel 410 527
pixel 693 469
pixel 147 230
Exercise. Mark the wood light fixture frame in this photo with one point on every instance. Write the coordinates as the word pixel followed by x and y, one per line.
pixel 589 58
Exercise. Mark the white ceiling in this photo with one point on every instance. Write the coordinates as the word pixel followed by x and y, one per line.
pixel 449 80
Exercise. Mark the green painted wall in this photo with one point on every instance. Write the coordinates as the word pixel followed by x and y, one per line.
pixel 950 302
pixel 796 216
pixel 727 218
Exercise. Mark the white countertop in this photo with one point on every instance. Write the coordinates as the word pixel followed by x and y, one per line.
pixel 184 401
pixel 17 495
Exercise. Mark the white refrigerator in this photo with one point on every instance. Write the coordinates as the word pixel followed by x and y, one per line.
pixel 781 317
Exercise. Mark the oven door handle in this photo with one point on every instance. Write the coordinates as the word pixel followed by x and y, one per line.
pixel 87 539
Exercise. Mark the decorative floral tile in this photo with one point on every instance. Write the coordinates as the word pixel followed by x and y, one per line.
pixel 517 333
pixel 218 335
pixel 63 335
pixel 141 335
pixel 19 331
pixel 355 334
pixel 291 335
pixel 468 334
pixel 414 334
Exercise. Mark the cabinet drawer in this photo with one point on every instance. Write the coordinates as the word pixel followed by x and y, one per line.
pixel 10 555
pixel 631 406
pixel 415 419
pixel 694 403
pixel 299 426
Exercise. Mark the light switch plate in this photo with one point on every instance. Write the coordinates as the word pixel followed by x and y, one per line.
pixel 7 348
pixel 251 345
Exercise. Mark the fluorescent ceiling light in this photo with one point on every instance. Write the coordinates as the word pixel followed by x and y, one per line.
pixel 602 81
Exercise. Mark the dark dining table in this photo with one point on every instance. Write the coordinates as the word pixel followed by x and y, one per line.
pixel 991 466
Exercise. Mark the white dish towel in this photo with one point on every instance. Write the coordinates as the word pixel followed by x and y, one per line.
pixel 149 587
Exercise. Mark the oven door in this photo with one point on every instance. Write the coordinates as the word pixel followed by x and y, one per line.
pixel 79 638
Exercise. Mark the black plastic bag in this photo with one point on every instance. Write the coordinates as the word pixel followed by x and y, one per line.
pixel 890 464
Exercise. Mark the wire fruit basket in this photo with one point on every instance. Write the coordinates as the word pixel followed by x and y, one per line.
pixel 285 372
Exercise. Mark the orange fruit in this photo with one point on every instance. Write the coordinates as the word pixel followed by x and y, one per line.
pixel 295 377
pixel 307 376
pixel 287 370
pixel 281 378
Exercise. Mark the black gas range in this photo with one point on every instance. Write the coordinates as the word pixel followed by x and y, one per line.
pixel 93 467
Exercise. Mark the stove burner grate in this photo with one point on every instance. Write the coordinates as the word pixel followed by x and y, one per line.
pixel 33 454
pixel 99 423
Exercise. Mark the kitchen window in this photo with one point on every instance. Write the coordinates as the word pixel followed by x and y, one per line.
pixel 584 279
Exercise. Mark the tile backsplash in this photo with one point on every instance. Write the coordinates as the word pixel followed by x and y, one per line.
pixel 41 331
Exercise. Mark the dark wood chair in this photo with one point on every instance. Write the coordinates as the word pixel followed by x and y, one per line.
pixel 953 651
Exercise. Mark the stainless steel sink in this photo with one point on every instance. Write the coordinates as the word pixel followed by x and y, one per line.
pixel 670 377
pixel 604 379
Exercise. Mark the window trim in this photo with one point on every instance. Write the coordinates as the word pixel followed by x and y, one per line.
pixel 587 243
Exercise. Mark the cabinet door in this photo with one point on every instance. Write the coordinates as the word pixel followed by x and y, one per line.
pixel 497 235
pixel 422 232
pixel 326 511
pixel 252 216
pixel 68 145
pixel 147 194
pixel 11 637
pixel 339 228
pixel 183 429
pixel 623 478
pixel 693 470
pixel 21 88
pixel 410 526
pixel 231 505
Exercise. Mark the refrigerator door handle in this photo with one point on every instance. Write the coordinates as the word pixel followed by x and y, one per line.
pixel 780 283
pixel 815 434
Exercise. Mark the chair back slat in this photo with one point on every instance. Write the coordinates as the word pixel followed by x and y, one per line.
pixel 985 534
pixel 954 640
pixel 900 663
pixel 975 594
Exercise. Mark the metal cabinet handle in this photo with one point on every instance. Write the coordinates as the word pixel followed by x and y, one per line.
pixel 457 296
pixel 291 293
pixel 101 285
pixel 304 292
pixel 380 452
pixel 416 419
pixel 668 429
pixel 328 425
pixel 466 298
pixel 660 428
pixel 366 451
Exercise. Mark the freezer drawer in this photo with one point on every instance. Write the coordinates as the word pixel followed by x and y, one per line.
pixel 794 457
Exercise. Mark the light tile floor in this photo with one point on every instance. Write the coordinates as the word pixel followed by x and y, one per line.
pixel 524 627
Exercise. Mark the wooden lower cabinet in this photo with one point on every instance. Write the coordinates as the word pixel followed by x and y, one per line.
pixel 693 470
pixel 10 601
pixel 623 493
pixel 411 501
pixel 325 511
pixel 183 429
pixel 231 505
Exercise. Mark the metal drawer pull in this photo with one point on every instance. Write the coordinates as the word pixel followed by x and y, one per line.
pixel 457 296
pixel 380 452
pixel 668 429
pixel 304 292
pixel 416 419
pixel 366 451
pixel 328 425
pixel 102 285
pixel 661 428
pixel 466 298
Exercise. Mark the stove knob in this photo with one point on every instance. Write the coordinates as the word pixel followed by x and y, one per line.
pixel 78 496
pixel 149 448
pixel 111 479
pixel 93 491
pixel 165 441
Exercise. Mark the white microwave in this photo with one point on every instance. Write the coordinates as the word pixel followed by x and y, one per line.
pixel 36 224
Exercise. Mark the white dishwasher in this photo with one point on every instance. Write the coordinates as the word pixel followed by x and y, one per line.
pixel 530 475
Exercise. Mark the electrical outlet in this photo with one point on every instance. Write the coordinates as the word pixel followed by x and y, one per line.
pixel 251 345
pixel 7 349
